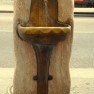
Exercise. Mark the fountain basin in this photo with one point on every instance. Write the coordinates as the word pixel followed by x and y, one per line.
pixel 44 30
pixel 43 35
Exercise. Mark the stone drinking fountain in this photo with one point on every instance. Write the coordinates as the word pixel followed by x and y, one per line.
pixel 43 32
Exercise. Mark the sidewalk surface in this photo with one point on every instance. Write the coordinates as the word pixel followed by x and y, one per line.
pixel 9 7
pixel 6 7
pixel 84 10
pixel 82 80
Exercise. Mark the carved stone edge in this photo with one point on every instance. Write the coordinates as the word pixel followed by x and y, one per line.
pixel 44 30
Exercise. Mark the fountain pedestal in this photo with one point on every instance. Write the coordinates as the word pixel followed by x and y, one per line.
pixel 43 40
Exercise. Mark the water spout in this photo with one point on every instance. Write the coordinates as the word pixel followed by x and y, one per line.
pixel 48 21
pixel 46 14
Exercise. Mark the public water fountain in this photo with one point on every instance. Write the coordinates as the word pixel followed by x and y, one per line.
pixel 43 31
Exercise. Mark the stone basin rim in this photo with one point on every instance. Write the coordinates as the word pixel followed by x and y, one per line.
pixel 43 30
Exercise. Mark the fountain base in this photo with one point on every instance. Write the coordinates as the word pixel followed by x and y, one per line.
pixel 43 40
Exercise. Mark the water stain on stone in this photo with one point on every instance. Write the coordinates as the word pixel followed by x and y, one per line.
pixel 87 83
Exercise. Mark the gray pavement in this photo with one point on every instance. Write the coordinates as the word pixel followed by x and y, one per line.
pixel 6 49
pixel 83 50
